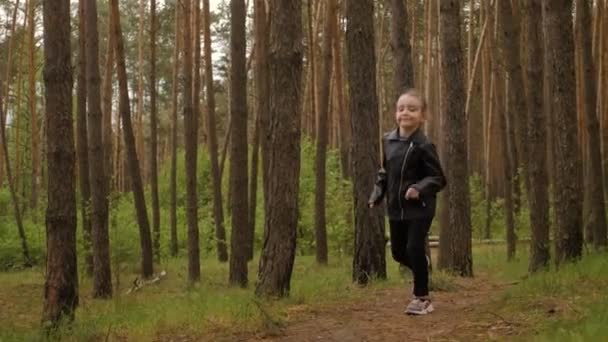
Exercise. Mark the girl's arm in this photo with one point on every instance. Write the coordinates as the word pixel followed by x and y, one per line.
pixel 435 179
pixel 380 185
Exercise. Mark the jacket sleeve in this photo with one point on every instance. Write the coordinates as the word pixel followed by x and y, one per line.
pixel 379 188
pixel 435 178
pixel 380 185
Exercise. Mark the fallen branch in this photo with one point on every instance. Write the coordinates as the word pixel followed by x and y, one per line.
pixel 138 284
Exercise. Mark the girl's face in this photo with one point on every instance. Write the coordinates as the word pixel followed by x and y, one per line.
pixel 409 114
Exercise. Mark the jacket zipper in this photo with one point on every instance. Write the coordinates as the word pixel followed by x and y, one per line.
pixel 401 179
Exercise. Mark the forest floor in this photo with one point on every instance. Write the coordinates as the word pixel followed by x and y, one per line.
pixel 500 303
pixel 465 313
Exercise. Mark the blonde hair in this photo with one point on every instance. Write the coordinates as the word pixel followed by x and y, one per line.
pixel 417 94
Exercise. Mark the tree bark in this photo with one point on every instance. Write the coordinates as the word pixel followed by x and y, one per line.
pixel 597 218
pixel 106 108
pixel 218 213
pixel 343 114
pixel 5 91
pixel 238 145
pixel 369 258
pixel 102 276
pixel 81 140
pixel 285 70
pixel 538 196
pixel 154 133
pixel 17 212
pixel 35 184
pixel 400 43
pixel 139 114
pixel 61 283
pixel 501 111
pixel 312 72
pixel 260 72
pixel 452 65
pixel 509 34
pixel 174 104
pixel 17 121
pixel 190 128
pixel 559 46
pixel 124 108
pixel 321 143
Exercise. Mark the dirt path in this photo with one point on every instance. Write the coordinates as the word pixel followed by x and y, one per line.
pixel 461 315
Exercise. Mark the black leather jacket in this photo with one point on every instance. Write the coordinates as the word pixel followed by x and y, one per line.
pixel 411 162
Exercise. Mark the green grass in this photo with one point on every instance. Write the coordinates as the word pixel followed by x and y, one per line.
pixel 173 306
pixel 557 305
pixel 565 304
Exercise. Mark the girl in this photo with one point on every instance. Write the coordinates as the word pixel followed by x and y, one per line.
pixel 411 177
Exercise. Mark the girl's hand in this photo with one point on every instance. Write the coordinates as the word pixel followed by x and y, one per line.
pixel 371 205
pixel 412 193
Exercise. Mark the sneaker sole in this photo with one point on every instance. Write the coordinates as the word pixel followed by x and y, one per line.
pixel 420 313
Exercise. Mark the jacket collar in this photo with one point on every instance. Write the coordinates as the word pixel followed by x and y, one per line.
pixel 417 137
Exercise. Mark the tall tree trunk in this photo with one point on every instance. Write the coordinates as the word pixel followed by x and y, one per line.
pixel 473 118
pixel 285 70
pixel 154 134
pixel 253 189
pixel 471 17
pixel 102 276
pixel 81 139
pixel 194 270
pixel 196 78
pixel 512 149
pixel 260 72
pixel 559 46
pixel 386 121
pixel 118 161
pixel 124 107
pixel 5 92
pixel 488 116
pixel 343 114
pixel 218 213
pixel 139 114
pixel 412 12
pixel 595 192
pixel 452 66
pixel 538 196
pixel 33 115
pixel 509 34
pixel 321 143
pixel 17 120
pixel 431 84
pixel 369 259
pixel 501 111
pixel 485 77
pixel 238 145
pixel 385 89
pixel 61 285
pixel 106 108
pixel 196 66
pixel 174 99
pixel 17 212
pixel 489 146
pixel 472 76
pixel 602 61
pixel 400 43
pixel 312 69
pixel 224 152
pixel 603 58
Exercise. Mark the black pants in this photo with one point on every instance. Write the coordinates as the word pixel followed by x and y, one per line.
pixel 407 246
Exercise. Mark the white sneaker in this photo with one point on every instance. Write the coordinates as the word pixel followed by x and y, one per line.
pixel 419 306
